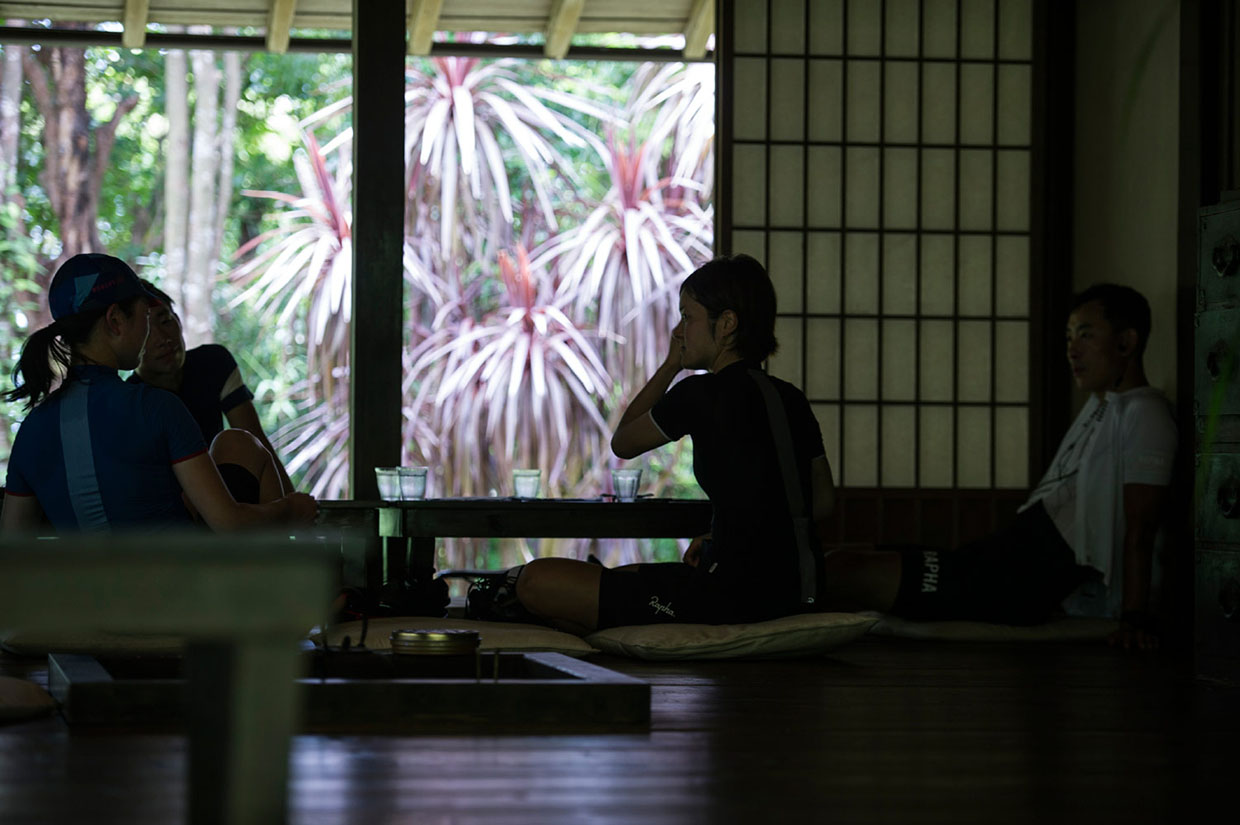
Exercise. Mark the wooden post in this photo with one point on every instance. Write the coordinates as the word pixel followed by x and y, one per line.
pixel 378 240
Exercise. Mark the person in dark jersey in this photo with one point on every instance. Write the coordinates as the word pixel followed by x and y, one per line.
pixel 751 566
pixel 98 454
pixel 208 381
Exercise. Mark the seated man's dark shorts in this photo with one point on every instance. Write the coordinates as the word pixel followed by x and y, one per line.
pixel 651 594
pixel 240 482
pixel 1019 576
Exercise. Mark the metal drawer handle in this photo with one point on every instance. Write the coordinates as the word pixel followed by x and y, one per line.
pixel 1226 258
pixel 1229 498
pixel 1229 600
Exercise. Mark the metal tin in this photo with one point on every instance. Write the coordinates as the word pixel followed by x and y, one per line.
pixel 435 642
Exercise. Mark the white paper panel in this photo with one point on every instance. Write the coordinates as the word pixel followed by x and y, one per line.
pixel 750 242
pixel 786 362
pixel 899 360
pixel 1012 361
pixel 861 193
pixel 1016 29
pixel 901 28
pixel 865 29
pixel 973 361
pixel 939 28
pixel 749 116
pixel 786 270
pixel 860 446
pixel 787 186
pixel 864 92
pixel 935 446
pixel 976 188
pixel 974 274
pixel 788 99
pixel 1015 104
pixel 938 106
pixel 977 86
pixel 823 271
pixel 900 188
pixel 861 273
pixel 826 27
pixel 899 447
pixel 977 30
pixel 824 193
pixel 828 416
pixel 749 185
pixel 936 361
pixel 751 26
pixel 1012 274
pixel 973 447
pixel 900 84
pixel 787 26
pixel 900 274
pixel 826 107
pixel 1012 447
pixel 938 185
pixel 1013 190
pixel 823 358
pixel 938 275
pixel 860 359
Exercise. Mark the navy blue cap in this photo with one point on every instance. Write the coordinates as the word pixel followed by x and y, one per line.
pixel 92 281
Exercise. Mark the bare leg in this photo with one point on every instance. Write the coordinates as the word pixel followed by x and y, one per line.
pixel 861 579
pixel 234 446
pixel 563 591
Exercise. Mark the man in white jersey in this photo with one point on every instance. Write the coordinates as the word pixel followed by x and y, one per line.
pixel 1084 541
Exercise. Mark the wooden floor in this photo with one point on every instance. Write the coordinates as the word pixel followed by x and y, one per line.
pixel 883 731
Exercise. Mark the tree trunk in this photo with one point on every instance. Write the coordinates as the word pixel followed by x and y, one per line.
pixel 228 142
pixel 72 169
pixel 10 115
pixel 176 174
pixel 201 263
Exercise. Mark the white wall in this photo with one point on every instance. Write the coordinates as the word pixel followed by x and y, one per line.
pixel 1126 164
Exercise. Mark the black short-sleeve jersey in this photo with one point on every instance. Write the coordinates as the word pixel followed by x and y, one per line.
pixel 211 385
pixel 735 462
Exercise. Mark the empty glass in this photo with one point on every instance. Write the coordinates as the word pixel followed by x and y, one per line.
pixel 412 483
pixel 625 483
pixel 389 483
pixel 525 483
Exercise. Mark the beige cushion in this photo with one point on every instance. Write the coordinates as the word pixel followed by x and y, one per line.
pixel 20 699
pixel 91 643
pixel 508 636
pixel 807 634
pixel 1073 629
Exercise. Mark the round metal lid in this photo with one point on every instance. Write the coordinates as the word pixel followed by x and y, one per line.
pixel 435 642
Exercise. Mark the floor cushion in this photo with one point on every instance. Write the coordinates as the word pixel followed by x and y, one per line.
pixel 20 699
pixel 807 634
pixel 1059 630
pixel 506 636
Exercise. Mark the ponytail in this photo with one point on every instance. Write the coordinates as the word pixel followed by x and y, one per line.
pixel 47 353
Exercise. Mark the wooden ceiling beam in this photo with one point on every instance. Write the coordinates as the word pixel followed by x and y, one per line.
pixel 136 14
pixel 279 24
pixel 423 21
pixel 698 28
pixel 561 24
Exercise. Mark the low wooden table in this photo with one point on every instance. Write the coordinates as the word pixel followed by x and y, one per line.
pixel 405 531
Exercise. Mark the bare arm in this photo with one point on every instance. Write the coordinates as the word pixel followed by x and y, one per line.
pixel 637 432
pixel 1144 507
pixel 21 514
pixel 202 484
pixel 244 416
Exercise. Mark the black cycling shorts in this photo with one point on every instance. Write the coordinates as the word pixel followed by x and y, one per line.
pixel 240 482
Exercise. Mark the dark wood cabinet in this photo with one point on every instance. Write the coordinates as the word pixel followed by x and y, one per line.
pixel 1216 407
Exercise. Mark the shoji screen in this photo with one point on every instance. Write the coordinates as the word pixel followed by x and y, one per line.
pixel 879 161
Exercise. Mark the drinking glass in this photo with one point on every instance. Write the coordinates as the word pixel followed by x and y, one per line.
pixel 625 483
pixel 389 483
pixel 412 483
pixel 525 483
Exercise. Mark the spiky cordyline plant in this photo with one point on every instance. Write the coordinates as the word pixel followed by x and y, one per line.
pixel 306 264
pixel 520 386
